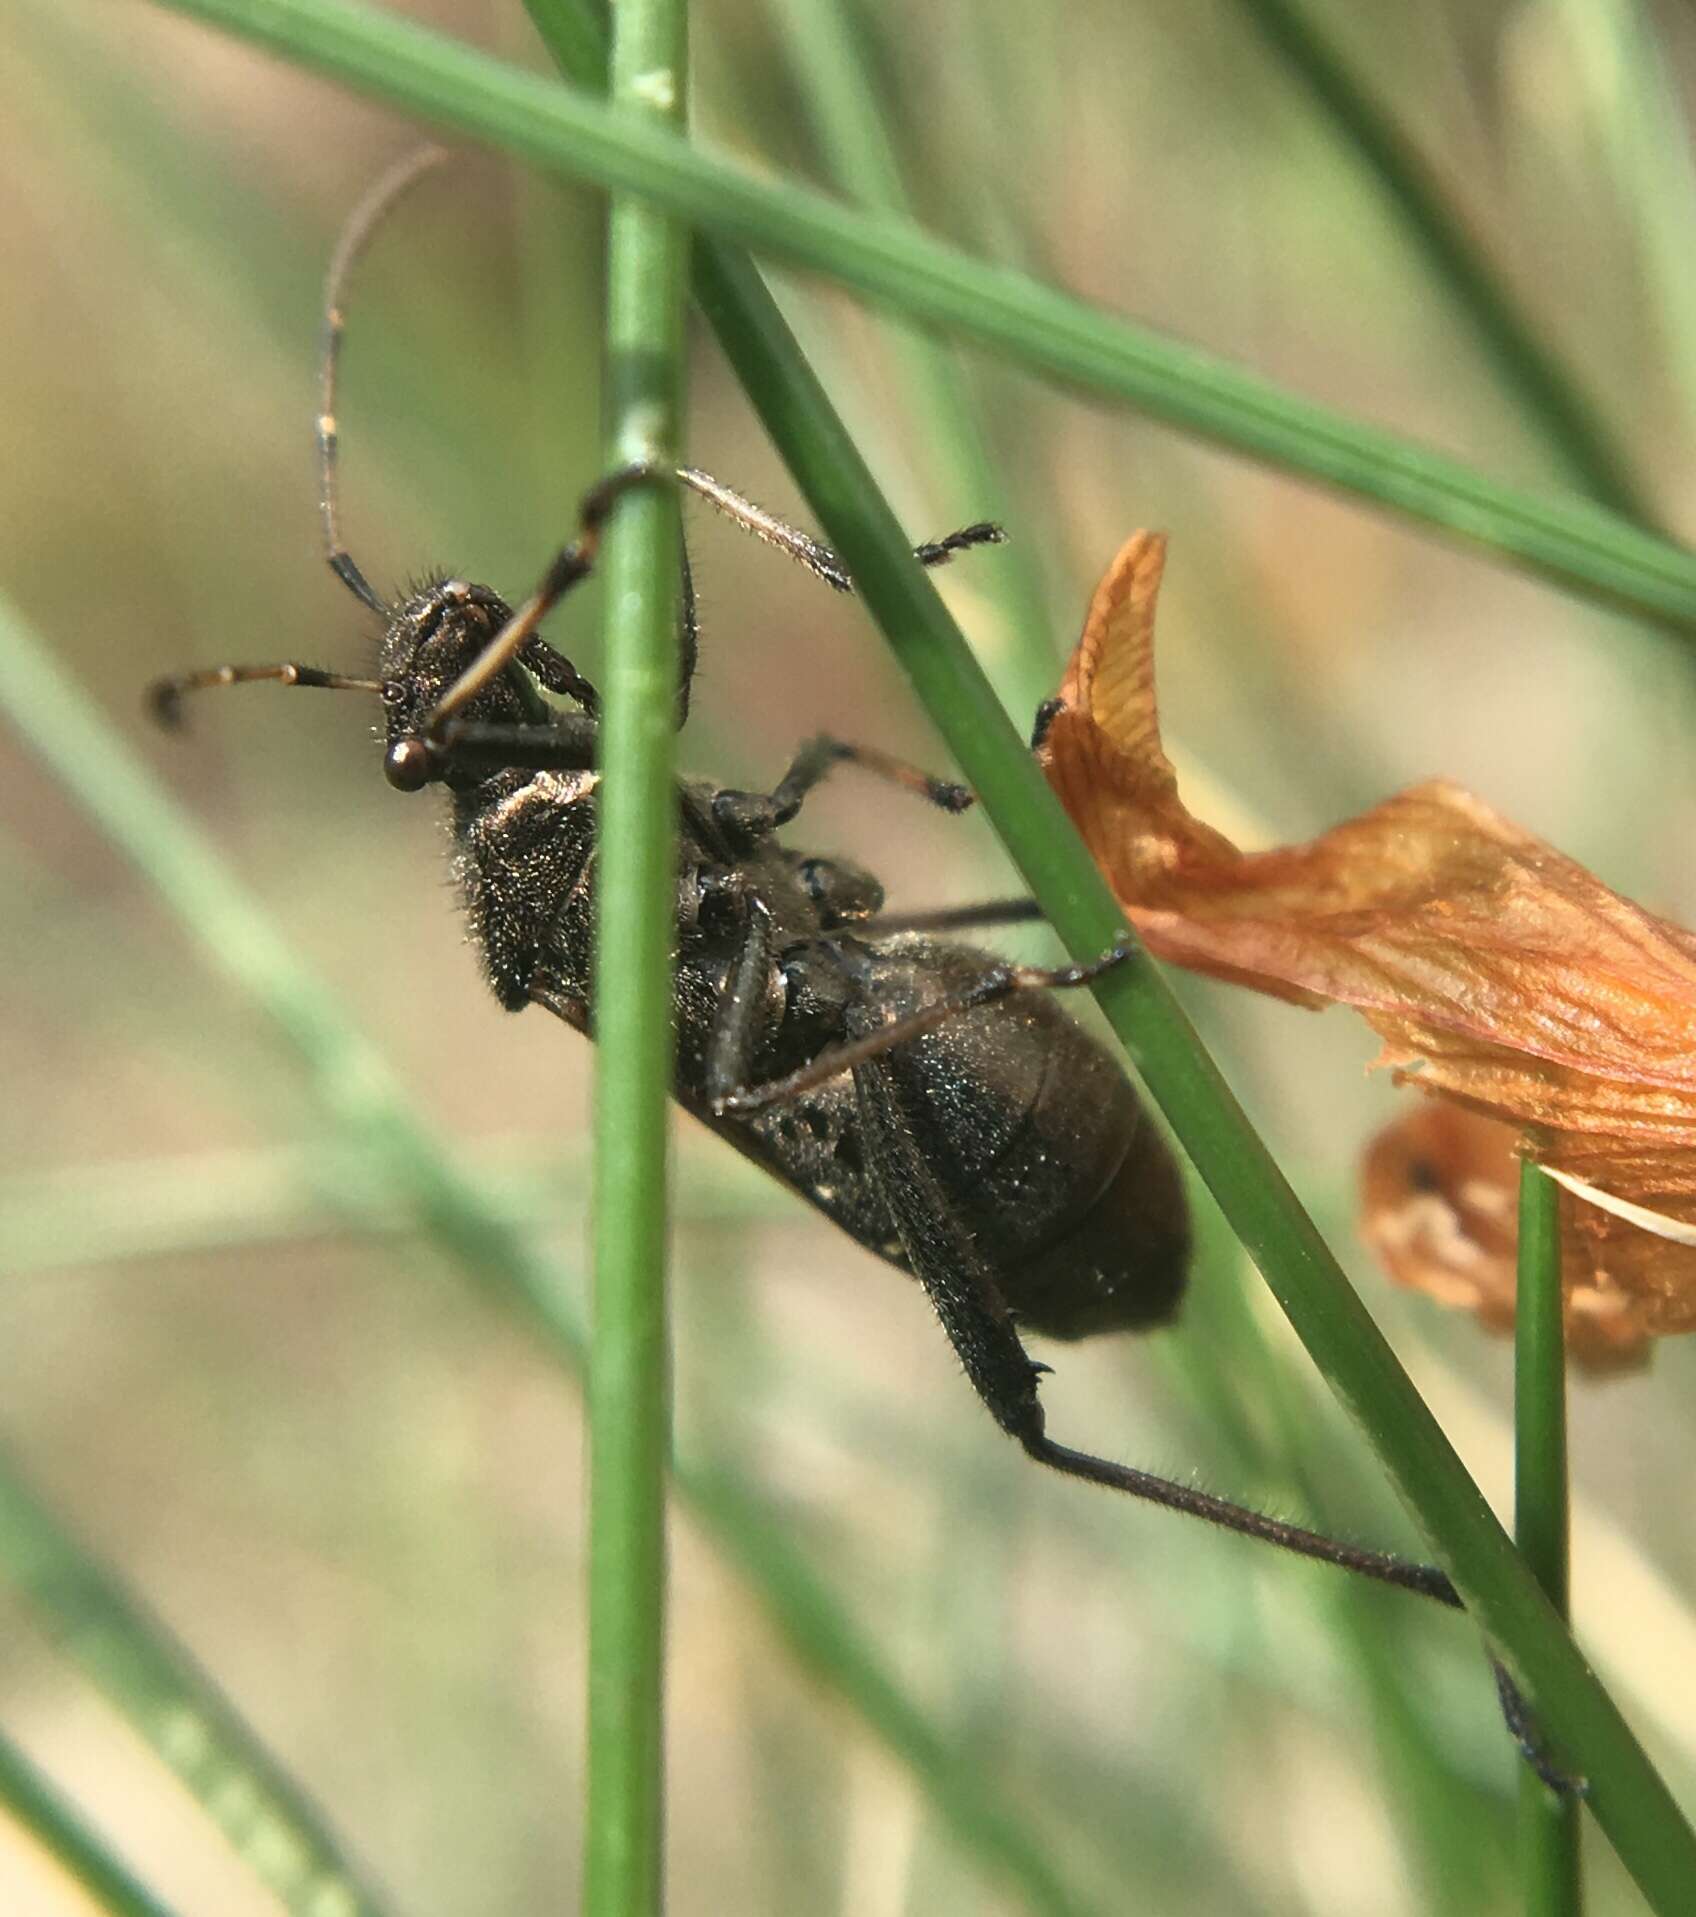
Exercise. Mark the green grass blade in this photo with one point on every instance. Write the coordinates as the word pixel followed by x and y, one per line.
pixel 32 1802
pixel 937 408
pixel 1451 1828
pixel 1569 541
pixel 221 1200
pixel 1629 1798
pixel 816 1634
pixel 1526 364
pixel 177 1710
pixel 1548 1825
pixel 1621 55
pixel 636 903
pixel 359 1094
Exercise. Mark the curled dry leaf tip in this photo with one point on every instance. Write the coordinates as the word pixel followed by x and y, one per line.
pixel 1501 976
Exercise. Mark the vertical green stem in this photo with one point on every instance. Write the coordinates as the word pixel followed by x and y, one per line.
pixel 629 1384
pixel 1548 1825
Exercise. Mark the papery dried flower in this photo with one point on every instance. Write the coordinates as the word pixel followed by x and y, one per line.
pixel 1439 1204
pixel 1498 972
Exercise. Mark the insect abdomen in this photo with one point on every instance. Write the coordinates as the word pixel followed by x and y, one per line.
pixel 1071 1194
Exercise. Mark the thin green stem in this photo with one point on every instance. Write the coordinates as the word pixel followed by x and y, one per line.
pixel 1527 365
pixel 1550 1878
pixel 32 1802
pixel 1579 545
pixel 1540 1469
pixel 629 1382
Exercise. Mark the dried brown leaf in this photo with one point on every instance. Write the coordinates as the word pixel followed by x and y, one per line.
pixel 1498 972
pixel 1439 1204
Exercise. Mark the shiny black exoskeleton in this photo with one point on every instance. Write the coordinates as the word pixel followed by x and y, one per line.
pixel 999 1155
pixel 934 1103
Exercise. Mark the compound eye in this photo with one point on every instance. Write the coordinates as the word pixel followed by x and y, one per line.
pixel 409 765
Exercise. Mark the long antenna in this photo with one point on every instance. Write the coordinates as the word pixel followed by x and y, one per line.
pixel 366 217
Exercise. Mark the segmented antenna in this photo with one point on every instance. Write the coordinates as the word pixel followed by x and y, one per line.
pixel 165 696
pixel 366 217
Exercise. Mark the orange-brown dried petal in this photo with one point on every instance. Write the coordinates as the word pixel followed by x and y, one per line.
pixel 1499 973
pixel 1439 1204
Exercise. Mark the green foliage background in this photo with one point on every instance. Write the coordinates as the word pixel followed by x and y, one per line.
pixel 351 1485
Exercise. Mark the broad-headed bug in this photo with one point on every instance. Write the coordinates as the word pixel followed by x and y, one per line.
pixel 929 1099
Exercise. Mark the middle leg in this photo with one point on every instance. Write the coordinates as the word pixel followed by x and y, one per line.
pixel 751 816
pixel 996 982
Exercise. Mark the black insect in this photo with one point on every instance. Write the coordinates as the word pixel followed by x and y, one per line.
pixel 929 1099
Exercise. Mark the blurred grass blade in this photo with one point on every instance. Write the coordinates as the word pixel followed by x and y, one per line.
pixel 819 1636
pixel 1548 1825
pixel 177 1710
pixel 1449 1827
pixel 357 1091
pixel 936 406
pixel 32 1802
pixel 635 911
pixel 1528 366
pixel 1568 540
pixel 1620 63
pixel 219 1200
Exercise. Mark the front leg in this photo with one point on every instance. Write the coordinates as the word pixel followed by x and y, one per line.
pixel 467 749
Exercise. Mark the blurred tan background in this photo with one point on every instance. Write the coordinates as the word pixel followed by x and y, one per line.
pixel 352 1486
